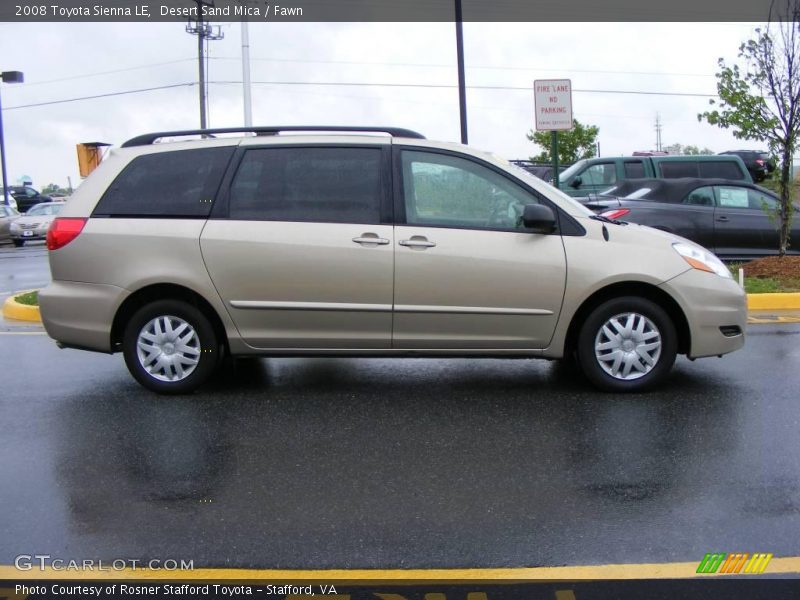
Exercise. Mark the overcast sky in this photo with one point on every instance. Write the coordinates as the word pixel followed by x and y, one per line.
pixel 71 60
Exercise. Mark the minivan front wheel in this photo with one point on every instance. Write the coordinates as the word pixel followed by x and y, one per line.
pixel 170 347
pixel 627 344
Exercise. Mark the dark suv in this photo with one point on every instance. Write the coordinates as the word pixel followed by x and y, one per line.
pixel 25 197
pixel 758 162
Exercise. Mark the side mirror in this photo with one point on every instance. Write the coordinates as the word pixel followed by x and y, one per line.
pixel 576 182
pixel 538 218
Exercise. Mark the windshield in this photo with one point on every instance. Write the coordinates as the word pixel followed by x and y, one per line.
pixel 569 172
pixel 44 209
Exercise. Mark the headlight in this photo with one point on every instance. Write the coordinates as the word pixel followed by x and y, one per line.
pixel 14 227
pixel 701 259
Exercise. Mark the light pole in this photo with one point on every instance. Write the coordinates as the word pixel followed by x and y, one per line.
pixel 462 88
pixel 6 77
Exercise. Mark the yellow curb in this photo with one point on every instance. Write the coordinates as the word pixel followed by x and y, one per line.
pixel 21 312
pixel 774 301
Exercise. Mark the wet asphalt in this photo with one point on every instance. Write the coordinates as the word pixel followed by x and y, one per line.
pixel 403 463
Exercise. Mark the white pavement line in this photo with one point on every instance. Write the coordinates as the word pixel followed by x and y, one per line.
pixel 23 333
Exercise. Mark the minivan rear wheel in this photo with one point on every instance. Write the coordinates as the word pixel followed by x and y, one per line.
pixel 627 344
pixel 170 347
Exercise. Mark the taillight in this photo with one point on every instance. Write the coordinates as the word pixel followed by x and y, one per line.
pixel 616 213
pixel 63 230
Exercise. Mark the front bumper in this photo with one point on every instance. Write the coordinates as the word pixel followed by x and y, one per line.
pixel 715 308
pixel 80 314
pixel 28 234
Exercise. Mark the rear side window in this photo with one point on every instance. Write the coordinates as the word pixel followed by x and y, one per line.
pixel 181 183
pixel 634 169
pixel 703 196
pixel 326 185
pixel 726 169
pixel 675 169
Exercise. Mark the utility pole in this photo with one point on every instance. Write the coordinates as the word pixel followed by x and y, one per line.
pixel 462 94
pixel 658 132
pixel 204 31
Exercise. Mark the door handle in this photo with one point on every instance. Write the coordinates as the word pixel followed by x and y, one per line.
pixel 722 218
pixel 371 239
pixel 417 242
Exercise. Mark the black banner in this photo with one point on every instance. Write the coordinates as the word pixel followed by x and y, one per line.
pixel 388 10
pixel 669 589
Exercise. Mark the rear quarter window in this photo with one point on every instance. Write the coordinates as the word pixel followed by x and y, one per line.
pixel 181 183
pixel 720 169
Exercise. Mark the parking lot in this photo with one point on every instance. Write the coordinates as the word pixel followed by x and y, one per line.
pixel 373 463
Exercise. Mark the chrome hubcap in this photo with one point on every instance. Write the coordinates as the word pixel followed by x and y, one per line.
pixel 628 346
pixel 168 348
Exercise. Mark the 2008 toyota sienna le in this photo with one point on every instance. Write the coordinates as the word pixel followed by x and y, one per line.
pixel 300 241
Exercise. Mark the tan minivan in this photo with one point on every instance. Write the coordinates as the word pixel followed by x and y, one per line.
pixel 327 241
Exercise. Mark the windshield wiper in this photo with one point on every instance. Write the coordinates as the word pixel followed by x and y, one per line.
pixel 607 220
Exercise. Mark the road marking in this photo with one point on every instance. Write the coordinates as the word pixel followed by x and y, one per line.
pixel 23 333
pixel 770 319
pixel 683 570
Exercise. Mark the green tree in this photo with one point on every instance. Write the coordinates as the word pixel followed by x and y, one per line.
pixel 575 144
pixel 50 188
pixel 694 150
pixel 690 149
pixel 760 100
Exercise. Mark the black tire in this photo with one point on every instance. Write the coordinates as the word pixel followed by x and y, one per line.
pixel 656 320
pixel 19 243
pixel 204 345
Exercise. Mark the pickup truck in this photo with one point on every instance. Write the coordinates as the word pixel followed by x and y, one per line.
pixel 593 175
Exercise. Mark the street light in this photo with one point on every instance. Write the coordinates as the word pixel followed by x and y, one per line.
pixel 6 77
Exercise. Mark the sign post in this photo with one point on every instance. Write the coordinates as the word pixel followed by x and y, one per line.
pixel 553 107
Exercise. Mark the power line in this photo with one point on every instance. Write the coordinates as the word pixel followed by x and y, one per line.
pixel 472 87
pixel 354 62
pixel 99 73
pixel 351 84
pixel 150 89
pixel 449 66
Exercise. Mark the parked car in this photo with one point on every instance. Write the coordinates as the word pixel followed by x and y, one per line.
pixel 731 219
pixel 593 175
pixel 758 162
pixel 33 224
pixel 24 197
pixel 7 216
pixel 366 244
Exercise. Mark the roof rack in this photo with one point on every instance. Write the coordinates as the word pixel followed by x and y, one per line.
pixel 150 138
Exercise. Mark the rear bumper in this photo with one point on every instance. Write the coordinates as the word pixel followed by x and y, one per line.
pixel 714 307
pixel 80 314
